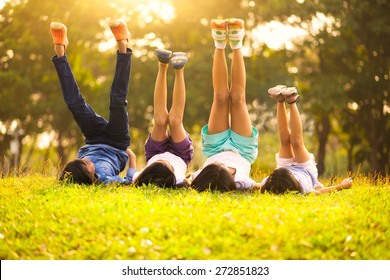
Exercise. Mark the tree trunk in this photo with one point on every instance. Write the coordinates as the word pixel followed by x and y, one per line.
pixel 323 130
pixel 61 150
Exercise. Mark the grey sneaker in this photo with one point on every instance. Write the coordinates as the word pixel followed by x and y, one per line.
pixel 276 93
pixel 290 94
pixel 163 55
pixel 178 60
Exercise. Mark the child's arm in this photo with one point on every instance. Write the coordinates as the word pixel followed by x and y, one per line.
pixel 345 184
pixel 132 158
pixel 258 186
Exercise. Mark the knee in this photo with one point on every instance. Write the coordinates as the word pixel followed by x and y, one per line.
pixel 237 98
pixel 161 119
pixel 221 99
pixel 284 141
pixel 175 120
pixel 296 141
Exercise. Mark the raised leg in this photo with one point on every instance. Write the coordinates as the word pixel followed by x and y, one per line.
pixel 285 148
pixel 159 130
pixel 296 138
pixel 176 112
pixel 219 113
pixel 240 120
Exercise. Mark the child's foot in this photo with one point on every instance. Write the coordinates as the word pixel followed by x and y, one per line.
pixel 218 32
pixel 290 94
pixel 276 93
pixel 59 34
pixel 163 55
pixel 119 29
pixel 236 32
pixel 178 60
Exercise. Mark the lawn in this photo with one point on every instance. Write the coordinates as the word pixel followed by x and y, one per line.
pixel 41 218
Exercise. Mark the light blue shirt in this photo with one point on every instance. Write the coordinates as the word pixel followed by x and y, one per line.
pixel 108 161
pixel 307 180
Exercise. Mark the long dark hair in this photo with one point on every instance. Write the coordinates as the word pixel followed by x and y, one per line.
pixel 214 177
pixel 280 181
pixel 75 171
pixel 158 174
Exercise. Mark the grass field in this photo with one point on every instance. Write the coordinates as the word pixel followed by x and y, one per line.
pixel 43 219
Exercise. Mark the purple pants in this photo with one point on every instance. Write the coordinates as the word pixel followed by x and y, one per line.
pixel 183 149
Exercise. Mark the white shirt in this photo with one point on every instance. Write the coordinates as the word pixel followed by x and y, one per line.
pixel 179 166
pixel 234 160
pixel 307 180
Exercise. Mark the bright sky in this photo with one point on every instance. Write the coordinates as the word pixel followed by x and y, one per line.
pixel 2 3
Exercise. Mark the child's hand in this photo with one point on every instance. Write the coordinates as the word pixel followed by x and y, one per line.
pixel 347 183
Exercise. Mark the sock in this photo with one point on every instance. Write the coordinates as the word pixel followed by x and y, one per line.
pixel 236 33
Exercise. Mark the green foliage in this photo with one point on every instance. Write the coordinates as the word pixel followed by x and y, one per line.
pixel 341 71
pixel 42 219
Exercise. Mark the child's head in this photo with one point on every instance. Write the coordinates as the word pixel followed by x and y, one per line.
pixel 157 173
pixel 77 171
pixel 281 180
pixel 214 177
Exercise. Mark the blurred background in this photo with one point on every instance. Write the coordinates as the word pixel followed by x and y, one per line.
pixel 336 52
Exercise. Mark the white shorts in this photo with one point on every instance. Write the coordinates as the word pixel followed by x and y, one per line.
pixel 310 165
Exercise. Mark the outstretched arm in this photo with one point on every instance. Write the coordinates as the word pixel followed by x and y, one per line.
pixel 345 184
pixel 132 158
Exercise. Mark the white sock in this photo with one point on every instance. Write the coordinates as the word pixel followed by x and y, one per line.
pixel 219 37
pixel 235 37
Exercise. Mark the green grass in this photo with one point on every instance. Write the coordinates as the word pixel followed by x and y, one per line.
pixel 43 219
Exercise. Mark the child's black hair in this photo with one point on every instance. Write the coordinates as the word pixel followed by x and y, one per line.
pixel 214 177
pixel 158 174
pixel 75 171
pixel 280 181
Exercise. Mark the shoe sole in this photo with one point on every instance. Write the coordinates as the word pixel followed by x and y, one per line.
pixel 178 60
pixel 59 33
pixel 275 91
pixel 163 55
pixel 235 23
pixel 218 24
pixel 289 91
pixel 119 29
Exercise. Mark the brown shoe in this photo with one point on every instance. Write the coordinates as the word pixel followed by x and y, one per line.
pixel 119 29
pixel 59 33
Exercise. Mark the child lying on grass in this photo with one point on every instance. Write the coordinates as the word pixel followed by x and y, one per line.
pixel 296 169
pixel 106 153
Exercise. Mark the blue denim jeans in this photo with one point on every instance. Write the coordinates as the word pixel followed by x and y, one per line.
pixel 96 129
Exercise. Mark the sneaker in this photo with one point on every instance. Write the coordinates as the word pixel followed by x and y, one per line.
pixel 163 55
pixel 292 99
pixel 288 91
pixel 218 32
pixel 59 33
pixel 236 32
pixel 119 29
pixel 290 94
pixel 276 93
pixel 178 60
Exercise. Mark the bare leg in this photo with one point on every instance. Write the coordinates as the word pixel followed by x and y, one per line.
pixel 296 138
pixel 285 148
pixel 241 123
pixel 59 50
pixel 159 130
pixel 176 113
pixel 122 46
pixel 219 114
